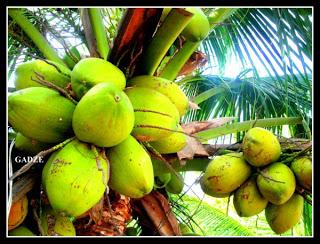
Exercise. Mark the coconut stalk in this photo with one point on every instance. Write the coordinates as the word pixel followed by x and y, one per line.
pixel 88 32
pixel 244 126
pixel 99 32
pixel 37 38
pixel 173 67
pixel 171 70
pixel 40 79
pixel 167 33
pixel 219 15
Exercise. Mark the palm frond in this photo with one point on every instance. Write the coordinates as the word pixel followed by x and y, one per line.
pixel 263 40
pixel 264 35
pixel 246 98
pixel 207 220
pixel 307 219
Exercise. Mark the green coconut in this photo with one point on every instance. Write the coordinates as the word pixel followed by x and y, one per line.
pixel 54 224
pixel 247 199
pixel 29 145
pixel 54 72
pixel 260 147
pixel 104 116
pixel 172 143
pixel 21 231
pixel 75 178
pixel 41 113
pixel 131 171
pixel 302 169
pixel 156 116
pixel 91 71
pixel 47 168
pixel 159 167
pixel 73 58
pixel 198 28
pixel 225 174
pixel 276 183
pixel 176 184
pixel 162 180
pixel 166 87
pixel 282 218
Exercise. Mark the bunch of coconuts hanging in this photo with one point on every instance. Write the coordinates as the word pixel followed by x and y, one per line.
pixel 259 182
pixel 100 130
pixel 109 122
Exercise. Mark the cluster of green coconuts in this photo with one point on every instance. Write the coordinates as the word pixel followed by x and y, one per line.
pixel 111 113
pixel 110 122
pixel 259 182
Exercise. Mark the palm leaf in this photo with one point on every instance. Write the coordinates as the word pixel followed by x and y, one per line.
pixel 241 30
pixel 209 220
pixel 243 126
pixel 246 98
pixel 307 218
pixel 262 40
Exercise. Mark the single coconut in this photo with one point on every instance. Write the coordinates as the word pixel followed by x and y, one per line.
pixel 282 218
pixel 29 145
pixel 54 224
pixel 51 71
pixel 247 199
pixel 260 147
pixel 90 71
pixel 156 116
pixel 75 178
pixel 172 143
pixel 104 116
pixel 162 180
pixel 302 169
pixel 176 184
pixel 197 29
pixel 276 183
pixel 164 86
pixel 225 174
pixel 41 113
pixel 131 171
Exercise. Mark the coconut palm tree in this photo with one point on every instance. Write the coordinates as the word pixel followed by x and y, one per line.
pixel 272 88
